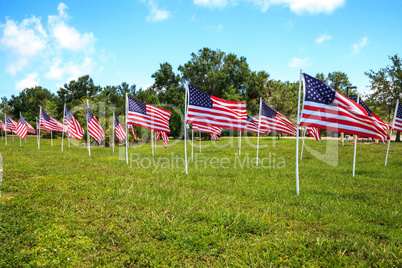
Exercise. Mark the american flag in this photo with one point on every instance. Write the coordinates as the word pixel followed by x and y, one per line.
pixel 214 131
pixel 273 120
pixel 50 123
pixel 148 116
pixel 132 129
pixel 164 137
pixel 398 119
pixel 2 126
pixel 205 109
pixel 94 128
pixel 120 132
pixel 373 116
pixel 11 125
pixel 30 129
pixel 73 127
pixel 325 108
pixel 22 128
pixel 41 126
pixel 252 125
pixel 314 132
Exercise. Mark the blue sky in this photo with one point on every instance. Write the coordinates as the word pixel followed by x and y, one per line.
pixel 48 43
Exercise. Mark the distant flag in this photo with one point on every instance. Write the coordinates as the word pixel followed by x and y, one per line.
pixel 73 127
pixel 22 128
pixel 273 120
pixel 147 116
pixel 2 126
pixel 132 130
pixel 252 125
pixel 205 109
pixel 398 118
pixel 11 125
pixel 325 108
pixel 94 128
pixel 120 132
pixel 314 132
pixel 164 137
pixel 30 129
pixel 373 116
pixel 50 123
pixel 213 131
pixel 40 126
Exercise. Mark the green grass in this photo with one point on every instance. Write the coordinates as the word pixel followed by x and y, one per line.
pixel 69 209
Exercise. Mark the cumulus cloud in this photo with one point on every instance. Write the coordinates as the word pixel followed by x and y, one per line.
pixel 322 38
pixel 296 6
pixel 356 47
pixel 58 70
pixel 298 62
pixel 31 80
pixel 156 13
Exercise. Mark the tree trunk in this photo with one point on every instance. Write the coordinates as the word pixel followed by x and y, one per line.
pixel 398 136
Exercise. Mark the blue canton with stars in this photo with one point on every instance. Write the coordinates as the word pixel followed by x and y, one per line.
pixel 268 111
pixel 45 116
pixel 90 114
pixel 68 115
pixel 250 119
pixel 199 98
pixel 365 107
pixel 399 112
pixel 317 91
pixel 22 120
pixel 116 122
pixel 137 106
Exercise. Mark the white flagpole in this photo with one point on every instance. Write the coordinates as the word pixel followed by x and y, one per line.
pixel 258 133
pixel 390 134
pixel 62 134
pixel 40 112
pixel 127 140
pixel 192 143
pixel 12 135
pixel 200 141
pixel 152 142
pixel 113 130
pixel 354 154
pixel 185 128
pixel 239 142
pixel 155 140
pixel 5 122
pixel 51 137
pixel 88 138
pixel 297 133
pixel 304 136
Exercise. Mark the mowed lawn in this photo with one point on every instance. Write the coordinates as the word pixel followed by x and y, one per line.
pixel 69 209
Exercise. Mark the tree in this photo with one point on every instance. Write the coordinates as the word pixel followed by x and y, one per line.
pixel 386 85
pixel 339 81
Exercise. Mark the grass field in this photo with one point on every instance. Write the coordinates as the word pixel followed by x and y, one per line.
pixel 69 209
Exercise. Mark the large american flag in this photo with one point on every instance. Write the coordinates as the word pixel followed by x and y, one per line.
pixel 22 128
pixel 252 125
pixel 214 131
pixel 205 109
pixel 132 129
pixel 325 108
pixel 50 123
pixel 164 137
pixel 94 128
pixel 148 116
pixel 273 120
pixel 120 132
pixel 373 116
pixel 398 119
pixel 11 125
pixel 314 132
pixel 73 127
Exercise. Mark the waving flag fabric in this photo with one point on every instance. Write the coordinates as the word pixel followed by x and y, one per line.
pixel 398 119
pixel 73 127
pixel 132 130
pixel 40 126
pixel 252 125
pixel 325 108
pixel 314 132
pixel 148 116
pixel 164 137
pixel 273 120
pixel 373 116
pixel 94 128
pixel 120 132
pixel 2 126
pixel 22 128
pixel 214 131
pixel 205 109
pixel 30 129
pixel 50 123
pixel 11 125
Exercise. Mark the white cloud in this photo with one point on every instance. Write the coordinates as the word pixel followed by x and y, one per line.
pixel 217 28
pixel 31 80
pixel 356 47
pixel 322 38
pixel 211 3
pixel 298 62
pixel 57 72
pixel 156 13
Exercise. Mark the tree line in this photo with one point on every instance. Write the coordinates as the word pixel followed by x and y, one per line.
pixel 224 75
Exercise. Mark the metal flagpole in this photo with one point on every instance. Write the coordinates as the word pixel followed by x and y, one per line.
pixel 113 130
pixel 390 134
pixel 297 132
pixel 51 137
pixel 185 128
pixel 88 138
pixel 40 112
pixel 239 142
pixel 127 140
pixel 304 136
pixel 354 154
pixel 155 140
pixel 62 134
pixel 152 142
pixel 5 122
pixel 192 143
pixel 258 133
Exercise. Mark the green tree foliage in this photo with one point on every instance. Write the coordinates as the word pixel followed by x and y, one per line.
pixel 339 81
